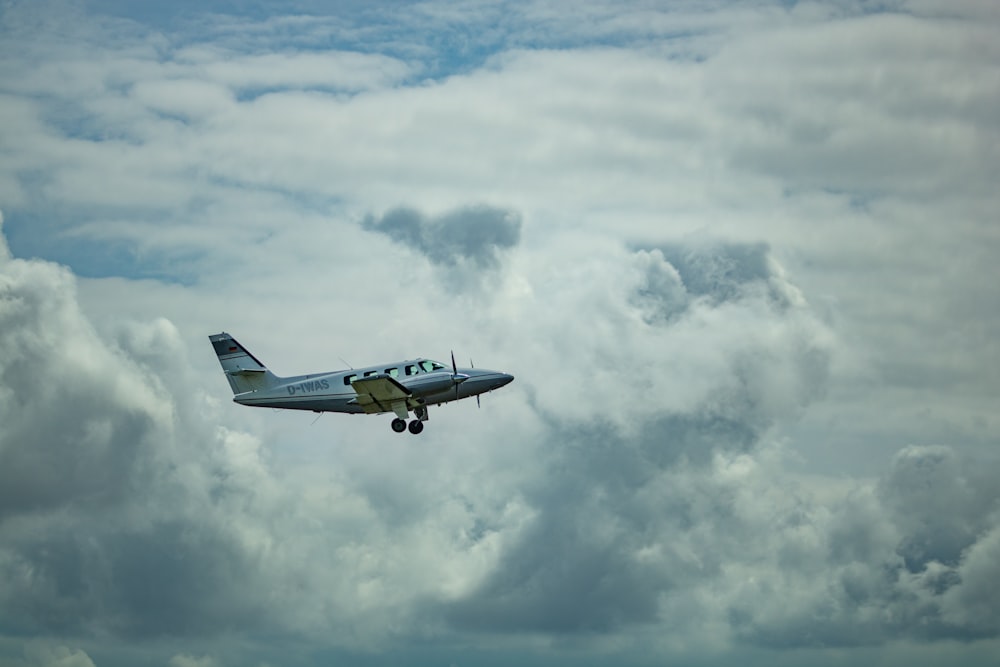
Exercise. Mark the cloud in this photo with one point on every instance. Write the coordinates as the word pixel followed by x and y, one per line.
pixel 102 479
pixel 831 108
pixel 687 517
pixel 970 599
pixel 51 362
pixel 42 654
pixel 934 505
pixel 471 240
pixel 886 572
pixel 184 660
pixel 613 500
pixel 129 511
pixel 751 417
pixel 679 274
pixel 678 515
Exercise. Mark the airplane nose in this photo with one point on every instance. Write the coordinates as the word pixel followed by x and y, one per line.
pixel 485 380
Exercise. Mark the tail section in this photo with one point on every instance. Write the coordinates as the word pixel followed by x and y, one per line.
pixel 244 372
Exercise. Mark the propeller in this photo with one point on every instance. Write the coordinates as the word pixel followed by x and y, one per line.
pixel 456 377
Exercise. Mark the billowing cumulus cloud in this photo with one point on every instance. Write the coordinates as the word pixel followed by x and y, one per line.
pixel 753 418
pixel 104 473
pixel 137 518
pixel 128 512
pixel 872 588
pixel 608 540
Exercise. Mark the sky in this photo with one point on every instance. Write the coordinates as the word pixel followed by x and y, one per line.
pixel 741 258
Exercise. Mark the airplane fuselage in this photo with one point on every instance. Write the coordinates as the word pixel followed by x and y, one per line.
pixel 333 391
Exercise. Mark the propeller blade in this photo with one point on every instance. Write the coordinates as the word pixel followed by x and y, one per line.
pixel 456 377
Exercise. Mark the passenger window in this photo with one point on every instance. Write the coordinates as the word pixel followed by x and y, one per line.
pixel 349 379
pixel 411 370
pixel 368 374
pixel 393 372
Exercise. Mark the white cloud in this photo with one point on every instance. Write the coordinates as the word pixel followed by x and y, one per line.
pixel 972 603
pixel 184 660
pixel 42 654
pixel 676 513
pixel 693 229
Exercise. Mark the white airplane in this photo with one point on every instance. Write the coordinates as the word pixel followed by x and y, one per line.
pixel 396 387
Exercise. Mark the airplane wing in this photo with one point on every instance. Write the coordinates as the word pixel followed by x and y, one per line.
pixel 382 393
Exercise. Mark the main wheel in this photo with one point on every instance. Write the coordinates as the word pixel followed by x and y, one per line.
pixel 416 426
pixel 398 425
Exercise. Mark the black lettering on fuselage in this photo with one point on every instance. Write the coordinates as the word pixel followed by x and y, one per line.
pixel 308 387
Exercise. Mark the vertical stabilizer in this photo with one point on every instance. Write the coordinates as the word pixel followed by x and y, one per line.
pixel 244 372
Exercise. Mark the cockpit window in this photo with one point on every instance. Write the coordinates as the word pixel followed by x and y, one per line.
pixel 429 365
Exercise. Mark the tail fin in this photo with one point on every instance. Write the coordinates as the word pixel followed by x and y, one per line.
pixel 243 370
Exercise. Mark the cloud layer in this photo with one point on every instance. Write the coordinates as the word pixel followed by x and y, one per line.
pixel 751 317
pixel 127 514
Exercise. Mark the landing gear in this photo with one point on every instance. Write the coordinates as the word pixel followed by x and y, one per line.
pixel 399 425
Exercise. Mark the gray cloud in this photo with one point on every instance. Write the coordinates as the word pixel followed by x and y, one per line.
pixel 474 236
pixel 893 563
pixel 611 540
pixel 105 528
pixel 677 274
pixel 938 511
pixel 60 403
pixel 158 523
pixel 634 526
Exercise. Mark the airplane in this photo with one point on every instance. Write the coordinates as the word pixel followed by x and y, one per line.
pixel 399 387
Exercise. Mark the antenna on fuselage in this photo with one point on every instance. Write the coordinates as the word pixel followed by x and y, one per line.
pixel 345 361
